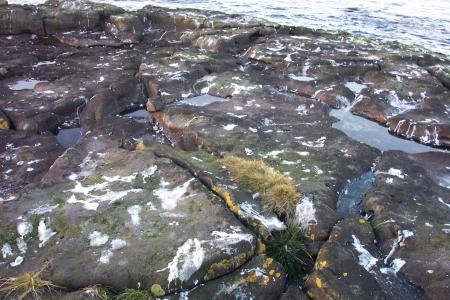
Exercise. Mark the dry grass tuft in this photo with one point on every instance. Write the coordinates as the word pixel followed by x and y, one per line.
pixel 277 192
pixel 27 284
pixel 99 291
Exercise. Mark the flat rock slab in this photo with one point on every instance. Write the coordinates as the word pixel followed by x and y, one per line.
pixel 134 221
pixel 260 278
pixel 411 211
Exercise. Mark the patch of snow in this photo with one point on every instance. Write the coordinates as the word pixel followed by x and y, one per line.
pixel 229 127
pixel 271 223
pixel 170 197
pixel 305 212
pixel 394 266
pixel 97 238
pixel 6 250
pixel 188 259
pixel 134 213
pixel 319 143
pixel 44 233
pixel 366 260
pixel 18 261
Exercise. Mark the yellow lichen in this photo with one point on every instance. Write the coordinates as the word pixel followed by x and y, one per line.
pixel 140 145
pixel 310 294
pixel 322 264
pixel 318 282
pixel 225 265
pixel 157 290
pixel 362 221
pixel 278 274
pixel 271 272
pixel 345 274
pixel 267 263
pixel 4 124
pixel 234 208
pixel 261 247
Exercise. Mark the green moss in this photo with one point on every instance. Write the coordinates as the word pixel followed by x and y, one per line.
pixel 194 206
pixel 64 226
pixel 8 233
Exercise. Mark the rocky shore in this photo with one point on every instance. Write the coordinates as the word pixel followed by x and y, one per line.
pixel 113 130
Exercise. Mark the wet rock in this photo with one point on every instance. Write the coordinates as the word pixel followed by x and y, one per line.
pixel 4 121
pixel 127 28
pixel 294 293
pixel 130 211
pixel 15 19
pixel 117 98
pixel 338 274
pixel 72 15
pixel 336 96
pixel 25 157
pixel 84 41
pixel 260 278
pixel 408 208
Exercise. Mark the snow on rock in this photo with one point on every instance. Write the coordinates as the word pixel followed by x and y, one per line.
pixel 170 197
pixel 44 233
pixel 97 238
pixel 305 213
pixel 188 259
pixel 366 260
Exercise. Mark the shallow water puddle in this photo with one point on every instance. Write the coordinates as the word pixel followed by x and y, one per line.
pixel 69 137
pixel 350 199
pixel 140 116
pixel 373 134
pixel 26 84
pixel 202 100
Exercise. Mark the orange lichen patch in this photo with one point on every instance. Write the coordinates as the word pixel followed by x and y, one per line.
pixel 140 145
pixel 267 263
pixel 261 247
pixel 225 195
pixel 225 265
pixel 322 264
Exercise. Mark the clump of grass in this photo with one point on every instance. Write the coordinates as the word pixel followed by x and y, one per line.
pixel 130 294
pixel 277 192
pixel 99 291
pixel 25 285
pixel 288 248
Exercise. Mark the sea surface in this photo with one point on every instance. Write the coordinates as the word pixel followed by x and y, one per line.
pixel 424 23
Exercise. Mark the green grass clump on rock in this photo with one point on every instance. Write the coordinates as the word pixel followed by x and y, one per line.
pixel 288 248
pixel 277 192
pixel 130 294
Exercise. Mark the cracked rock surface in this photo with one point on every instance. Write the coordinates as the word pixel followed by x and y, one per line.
pixel 113 126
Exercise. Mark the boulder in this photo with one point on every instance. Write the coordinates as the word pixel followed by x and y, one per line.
pixel 127 28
